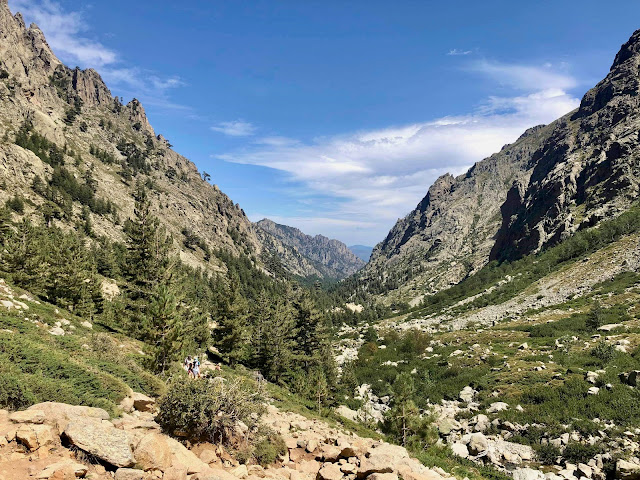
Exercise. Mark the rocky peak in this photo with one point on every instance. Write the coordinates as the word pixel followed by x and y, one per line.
pixel 89 86
pixel 305 255
pixel 138 117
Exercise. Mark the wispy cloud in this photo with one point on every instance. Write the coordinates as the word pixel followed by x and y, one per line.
pixel 236 128
pixel 382 174
pixel 455 52
pixel 66 33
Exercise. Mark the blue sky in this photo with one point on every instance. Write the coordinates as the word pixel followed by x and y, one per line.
pixel 336 116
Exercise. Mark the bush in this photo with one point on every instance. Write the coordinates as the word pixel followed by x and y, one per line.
pixel 547 454
pixel 268 448
pixel 208 409
pixel 603 351
pixel 13 395
pixel 576 452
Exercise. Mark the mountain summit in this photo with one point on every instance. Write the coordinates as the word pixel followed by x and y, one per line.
pixel 551 182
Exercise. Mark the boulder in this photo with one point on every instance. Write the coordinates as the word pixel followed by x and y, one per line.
pixel 460 449
pixel 129 474
pixel 142 403
pixel 347 413
pixel 330 471
pixel 446 425
pixel 66 467
pixel 28 416
pixel 153 453
pixel 37 436
pixel 375 464
pixel 527 474
pixel 175 473
pixel 591 377
pixel 497 407
pixel 627 470
pixel 329 453
pixel 101 440
pixel 185 458
pixel 478 444
pixel 382 476
pixel 59 414
pixel 467 394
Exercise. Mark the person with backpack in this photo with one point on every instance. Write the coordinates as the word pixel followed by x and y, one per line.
pixel 196 368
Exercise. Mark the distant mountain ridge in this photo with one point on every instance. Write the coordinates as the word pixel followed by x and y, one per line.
pixel 551 182
pixel 362 251
pixel 305 255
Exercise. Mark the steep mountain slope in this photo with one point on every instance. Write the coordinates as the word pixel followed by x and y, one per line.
pixel 362 251
pixel 553 181
pixel 70 127
pixel 305 255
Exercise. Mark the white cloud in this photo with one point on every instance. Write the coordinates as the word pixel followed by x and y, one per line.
pixel 456 52
pixel 382 174
pixel 65 33
pixel 236 128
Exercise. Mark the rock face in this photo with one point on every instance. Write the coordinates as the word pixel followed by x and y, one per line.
pixel 74 107
pixel 551 182
pixel 305 255
pixel 104 441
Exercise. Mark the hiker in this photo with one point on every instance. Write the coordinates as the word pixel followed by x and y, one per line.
pixel 196 368
pixel 186 363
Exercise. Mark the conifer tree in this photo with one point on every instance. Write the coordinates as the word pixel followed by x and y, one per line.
pixel 233 332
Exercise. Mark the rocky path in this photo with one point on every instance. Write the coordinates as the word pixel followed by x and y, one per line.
pixel 62 442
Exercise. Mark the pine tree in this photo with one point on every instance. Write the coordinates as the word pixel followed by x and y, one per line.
pixel 278 341
pixel 147 260
pixel 233 331
pixel 164 328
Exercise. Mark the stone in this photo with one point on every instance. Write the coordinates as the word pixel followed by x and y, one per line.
pixel 478 444
pixel 37 436
pixel 330 471
pixel 593 391
pixel 375 464
pixel 460 449
pixel 497 407
pixel 77 469
pixel 28 416
pixel 185 458
pixel 129 474
pixel 329 453
pixel 527 474
pixel 627 470
pixel 103 441
pixel 152 452
pixel 175 473
pixel 59 414
pixel 347 413
pixel 467 394
pixel 382 476
pixel 446 425
pixel 143 403
pixel 57 331
pixel 584 471
pixel 592 377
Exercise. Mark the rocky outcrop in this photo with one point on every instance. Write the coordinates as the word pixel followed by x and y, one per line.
pixel 132 448
pixel 308 256
pixel 74 107
pixel 451 232
pixel 550 183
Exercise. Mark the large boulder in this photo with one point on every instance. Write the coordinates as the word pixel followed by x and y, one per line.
pixel 60 414
pixel 383 476
pixel 37 436
pixel 28 416
pixel 129 474
pixel 175 473
pixel 182 457
pixel 330 471
pixel 101 440
pixel 375 464
pixel 63 469
pixel 143 403
pixel 527 474
pixel 460 449
pixel 627 470
pixel 478 444
pixel 153 453
pixel 467 394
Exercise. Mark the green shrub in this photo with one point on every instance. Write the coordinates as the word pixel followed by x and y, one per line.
pixel 603 351
pixel 13 394
pixel 208 410
pixel 547 454
pixel 268 448
pixel 576 452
